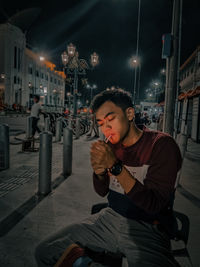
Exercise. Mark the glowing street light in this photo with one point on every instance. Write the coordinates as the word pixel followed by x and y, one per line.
pixel 3 76
pixel 65 58
pixel 134 62
pixel 156 83
pixel 71 49
pixel 41 58
pixel 94 59
pixel 163 71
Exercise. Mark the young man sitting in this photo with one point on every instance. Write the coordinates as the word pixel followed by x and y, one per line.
pixel 137 170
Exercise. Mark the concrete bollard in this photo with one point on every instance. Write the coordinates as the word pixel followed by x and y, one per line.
pixel 67 151
pixel 46 124
pixel 4 147
pixel 69 122
pixel 45 160
pixel 29 127
pixel 77 128
pixel 183 139
pixel 58 130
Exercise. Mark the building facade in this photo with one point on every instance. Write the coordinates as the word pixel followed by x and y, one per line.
pixel 24 73
pixel 188 122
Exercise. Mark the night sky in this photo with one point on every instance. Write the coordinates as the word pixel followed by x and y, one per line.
pixel 108 27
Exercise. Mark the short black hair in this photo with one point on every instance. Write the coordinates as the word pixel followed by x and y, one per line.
pixel 37 97
pixel 119 97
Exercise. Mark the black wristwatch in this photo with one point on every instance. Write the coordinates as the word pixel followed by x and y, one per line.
pixel 116 169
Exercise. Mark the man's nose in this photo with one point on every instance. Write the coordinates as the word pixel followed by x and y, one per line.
pixel 107 125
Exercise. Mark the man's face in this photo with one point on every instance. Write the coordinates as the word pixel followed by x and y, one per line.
pixel 112 121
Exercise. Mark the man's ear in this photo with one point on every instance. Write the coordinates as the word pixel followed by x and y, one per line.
pixel 130 113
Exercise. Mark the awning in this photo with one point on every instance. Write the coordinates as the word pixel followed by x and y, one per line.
pixel 161 104
pixel 190 93
pixel 182 96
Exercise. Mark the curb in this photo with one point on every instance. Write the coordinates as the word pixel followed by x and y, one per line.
pixel 192 156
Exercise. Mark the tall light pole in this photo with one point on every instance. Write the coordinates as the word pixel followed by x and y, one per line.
pixel 172 70
pixel 135 64
pixel 69 100
pixel 136 54
pixel 156 84
pixel 163 76
pixel 2 90
pixel 75 66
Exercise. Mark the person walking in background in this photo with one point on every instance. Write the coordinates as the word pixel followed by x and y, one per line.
pixel 35 111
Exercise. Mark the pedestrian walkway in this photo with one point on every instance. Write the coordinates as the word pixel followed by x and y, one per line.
pixel 70 201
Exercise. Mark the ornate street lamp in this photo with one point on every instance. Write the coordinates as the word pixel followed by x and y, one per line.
pixel 94 59
pixel 71 49
pixel 65 58
pixel 75 66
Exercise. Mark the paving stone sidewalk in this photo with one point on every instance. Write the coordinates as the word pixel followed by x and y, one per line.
pixel 69 202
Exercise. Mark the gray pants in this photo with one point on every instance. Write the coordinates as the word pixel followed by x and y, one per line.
pixel 142 244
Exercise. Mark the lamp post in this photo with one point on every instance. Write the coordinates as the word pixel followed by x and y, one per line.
pixel 136 59
pixel 75 66
pixel 55 92
pixel 156 84
pixel 163 78
pixel 69 100
pixel 2 90
pixel 33 85
pixel 91 90
pixel 135 63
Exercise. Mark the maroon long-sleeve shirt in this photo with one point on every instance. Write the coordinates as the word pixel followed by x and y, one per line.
pixel 154 160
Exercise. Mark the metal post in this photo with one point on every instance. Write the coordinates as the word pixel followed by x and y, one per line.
pixel 77 128
pixel 135 83
pixel 47 124
pixel 178 71
pixel 171 81
pixel 75 91
pixel 29 127
pixel 67 152
pixel 45 160
pixel 58 130
pixel 137 49
pixel 4 147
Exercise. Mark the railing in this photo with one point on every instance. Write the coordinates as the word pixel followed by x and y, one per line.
pixel 69 121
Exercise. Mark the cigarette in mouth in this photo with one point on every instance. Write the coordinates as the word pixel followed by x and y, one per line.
pixel 107 139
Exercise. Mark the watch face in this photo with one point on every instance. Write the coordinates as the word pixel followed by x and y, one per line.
pixel 116 168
